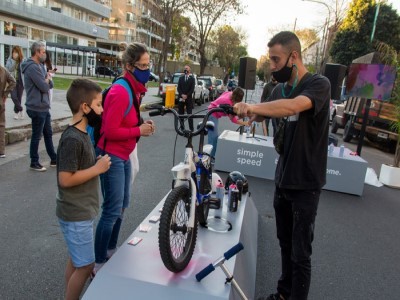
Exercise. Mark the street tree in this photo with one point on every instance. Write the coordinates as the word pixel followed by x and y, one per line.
pixel 354 36
pixel 228 45
pixel 206 13
pixel 170 9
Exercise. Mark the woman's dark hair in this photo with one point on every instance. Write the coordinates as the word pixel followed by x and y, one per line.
pixel 131 53
pixel 47 62
pixel 237 95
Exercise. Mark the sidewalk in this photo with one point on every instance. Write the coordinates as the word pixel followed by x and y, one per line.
pixel 20 130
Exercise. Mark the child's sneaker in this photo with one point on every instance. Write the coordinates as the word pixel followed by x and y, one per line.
pixel 21 115
pixel 16 116
pixel 2 155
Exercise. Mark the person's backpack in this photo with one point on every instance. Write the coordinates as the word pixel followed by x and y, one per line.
pixel 94 132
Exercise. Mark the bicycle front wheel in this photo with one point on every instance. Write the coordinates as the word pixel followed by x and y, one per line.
pixel 176 241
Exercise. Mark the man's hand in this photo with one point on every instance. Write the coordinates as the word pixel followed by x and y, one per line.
pixel 243 110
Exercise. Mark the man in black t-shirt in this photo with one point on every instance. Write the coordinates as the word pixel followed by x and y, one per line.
pixel 303 99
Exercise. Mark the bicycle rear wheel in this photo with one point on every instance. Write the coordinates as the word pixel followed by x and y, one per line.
pixel 176 241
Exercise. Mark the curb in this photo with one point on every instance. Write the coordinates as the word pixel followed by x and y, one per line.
pixel 24 132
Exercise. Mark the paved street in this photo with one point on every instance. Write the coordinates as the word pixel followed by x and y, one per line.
pixel 356 250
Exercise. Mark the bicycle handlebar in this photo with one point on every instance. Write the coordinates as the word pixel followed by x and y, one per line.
pixel 233 251
pixel 227 255
pixel 159 110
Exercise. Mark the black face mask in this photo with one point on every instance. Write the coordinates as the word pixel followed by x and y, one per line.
pixel 283 75
pixel 93 118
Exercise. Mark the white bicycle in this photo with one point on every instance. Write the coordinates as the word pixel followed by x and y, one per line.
pixel 187 204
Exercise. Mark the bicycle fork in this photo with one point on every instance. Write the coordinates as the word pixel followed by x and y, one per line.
pixel 182 174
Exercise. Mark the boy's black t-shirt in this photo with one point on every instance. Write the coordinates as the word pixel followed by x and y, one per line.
pixel 302 166
pixel 76 152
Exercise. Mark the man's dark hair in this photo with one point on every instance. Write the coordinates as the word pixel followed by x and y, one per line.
pixel 81 91
pixel 288 40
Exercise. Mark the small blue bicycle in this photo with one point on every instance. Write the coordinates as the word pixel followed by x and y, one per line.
pixel 187 205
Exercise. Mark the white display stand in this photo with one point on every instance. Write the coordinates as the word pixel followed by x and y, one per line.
pixel 257 157
pixel 253 156
pixel 137 272
pixel 345 174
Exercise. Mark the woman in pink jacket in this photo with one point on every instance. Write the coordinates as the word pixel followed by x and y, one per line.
pixel 120 131
pixel 230 98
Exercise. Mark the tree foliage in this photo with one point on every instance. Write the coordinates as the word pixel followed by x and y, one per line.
pixel 169 10
pixel 353 38
pixel 205 14
pixel 228 46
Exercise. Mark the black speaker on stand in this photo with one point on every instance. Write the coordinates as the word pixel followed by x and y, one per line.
pixel 335 73
pixel 247 73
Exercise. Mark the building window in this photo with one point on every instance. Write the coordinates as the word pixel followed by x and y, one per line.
pixel 49 36
pixel 62 39
pixel 20 31
pixel 36 34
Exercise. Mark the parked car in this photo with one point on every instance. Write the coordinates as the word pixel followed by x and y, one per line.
pixel 103 70
pixel 210 84
pixel 154 77
pixel 205 93
pixel 219 83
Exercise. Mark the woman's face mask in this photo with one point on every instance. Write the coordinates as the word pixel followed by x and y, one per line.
pixel 141 75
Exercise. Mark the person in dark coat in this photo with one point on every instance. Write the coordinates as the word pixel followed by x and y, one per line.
pixel 186 85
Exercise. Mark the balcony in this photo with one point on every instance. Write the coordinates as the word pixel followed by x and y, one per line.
pixel 150 18
pixel 33 13
pixel 147 32
pixel 90 6
pixel 117 38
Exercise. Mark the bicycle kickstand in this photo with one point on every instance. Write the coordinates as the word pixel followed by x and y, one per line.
pixel 220 263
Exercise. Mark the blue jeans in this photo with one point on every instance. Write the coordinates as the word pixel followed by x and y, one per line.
pixel 213 135
pixel 295 212
pixel 115 186
pixel 41 123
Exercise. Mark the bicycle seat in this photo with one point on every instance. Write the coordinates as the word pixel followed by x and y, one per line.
pixel 209 125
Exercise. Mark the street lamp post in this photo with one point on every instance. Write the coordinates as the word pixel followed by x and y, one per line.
pixel 326 34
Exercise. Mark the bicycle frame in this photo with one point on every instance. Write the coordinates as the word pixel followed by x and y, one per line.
pixel 192 162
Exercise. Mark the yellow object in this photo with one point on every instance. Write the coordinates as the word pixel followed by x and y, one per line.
pixel 170 96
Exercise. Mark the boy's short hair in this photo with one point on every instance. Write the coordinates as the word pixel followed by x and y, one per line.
pixel 237 95
pixel 81 91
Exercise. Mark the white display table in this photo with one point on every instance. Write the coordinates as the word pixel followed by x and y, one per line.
pixel 137 272
pixel 251 156
pixel 257 157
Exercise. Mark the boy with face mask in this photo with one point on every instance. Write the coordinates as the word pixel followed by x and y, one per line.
pixel 78 184
pixel 37 84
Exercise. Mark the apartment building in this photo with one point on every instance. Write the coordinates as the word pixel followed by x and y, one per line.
pixel 80 34
pixel 134 21
pixel 69 28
